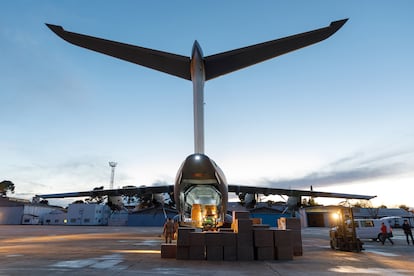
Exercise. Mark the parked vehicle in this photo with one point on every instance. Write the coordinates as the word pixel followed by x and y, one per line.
pixel 369 228
pixel 394 221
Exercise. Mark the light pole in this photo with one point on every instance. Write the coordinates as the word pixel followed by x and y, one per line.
pixel 112 165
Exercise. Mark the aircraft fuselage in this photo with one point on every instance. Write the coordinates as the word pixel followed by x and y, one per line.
pixel 201 192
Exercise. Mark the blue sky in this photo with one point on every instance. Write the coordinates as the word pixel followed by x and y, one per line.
pixel 337 115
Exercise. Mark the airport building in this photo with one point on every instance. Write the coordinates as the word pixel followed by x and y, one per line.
pixel 56 217
pixel 88 214
pixel 20 211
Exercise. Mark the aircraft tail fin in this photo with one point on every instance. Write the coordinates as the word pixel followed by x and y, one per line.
pixel 162 61
pixel 227 62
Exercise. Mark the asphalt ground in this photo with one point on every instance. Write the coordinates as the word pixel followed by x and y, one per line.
pixel 104 250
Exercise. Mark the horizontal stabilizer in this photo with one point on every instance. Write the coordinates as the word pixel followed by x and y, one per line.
pixel 162 61
pixel 227 62
pixel 215 65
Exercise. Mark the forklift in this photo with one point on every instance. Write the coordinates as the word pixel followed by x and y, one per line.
pixel 343 235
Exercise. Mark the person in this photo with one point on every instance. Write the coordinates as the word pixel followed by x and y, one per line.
pixel 384 234
pixel 407 231
pixel 169 230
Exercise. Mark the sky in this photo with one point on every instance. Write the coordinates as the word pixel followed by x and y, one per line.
pixel 337 115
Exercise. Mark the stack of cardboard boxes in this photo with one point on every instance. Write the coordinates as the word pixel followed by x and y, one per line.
pixel 246 240
pixel 243 227
pixel 293 225
pixel 264 245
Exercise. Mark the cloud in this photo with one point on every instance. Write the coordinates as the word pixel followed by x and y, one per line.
pixel 65 176
pixel 354 168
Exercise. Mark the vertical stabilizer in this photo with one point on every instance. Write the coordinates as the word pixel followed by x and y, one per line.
pixel 198 78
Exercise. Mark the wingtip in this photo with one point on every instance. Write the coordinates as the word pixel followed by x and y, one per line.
pixel 338 24
pixel 55 28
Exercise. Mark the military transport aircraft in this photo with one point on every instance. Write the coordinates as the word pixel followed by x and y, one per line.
pixel 200 191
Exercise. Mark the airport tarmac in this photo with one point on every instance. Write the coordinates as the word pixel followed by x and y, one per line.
pixel 105 250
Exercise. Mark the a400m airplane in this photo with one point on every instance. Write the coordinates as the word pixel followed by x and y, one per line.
pixel 201 190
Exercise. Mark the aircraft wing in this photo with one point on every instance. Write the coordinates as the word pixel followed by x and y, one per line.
pixel 162 61
pixel 130 191
pixel 223 63
pixel 294 193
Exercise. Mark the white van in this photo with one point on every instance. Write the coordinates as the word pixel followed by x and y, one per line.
pixel 394 221
pixel 369 228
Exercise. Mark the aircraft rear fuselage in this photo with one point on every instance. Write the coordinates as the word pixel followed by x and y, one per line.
pixel 200 192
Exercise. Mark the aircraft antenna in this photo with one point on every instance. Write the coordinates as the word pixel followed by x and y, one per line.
pixel 112 165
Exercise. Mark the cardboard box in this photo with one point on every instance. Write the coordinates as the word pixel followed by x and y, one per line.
pixel 168 250
pixel 213 238
pixel 230 253
pixel 197 239
pixel 240 215
pixel 183 252
pixel 197 252
pixel 263 238
pixel 288 223
pixel 264 253
pixel 183 236
pixel 297 242
pixel 283 238
pixel 245 239
pixel 243 225
pixel 245 253
pixel 297 250
pixel 296 236
pixel 284 253
pixel 214 253
pixel 229 239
